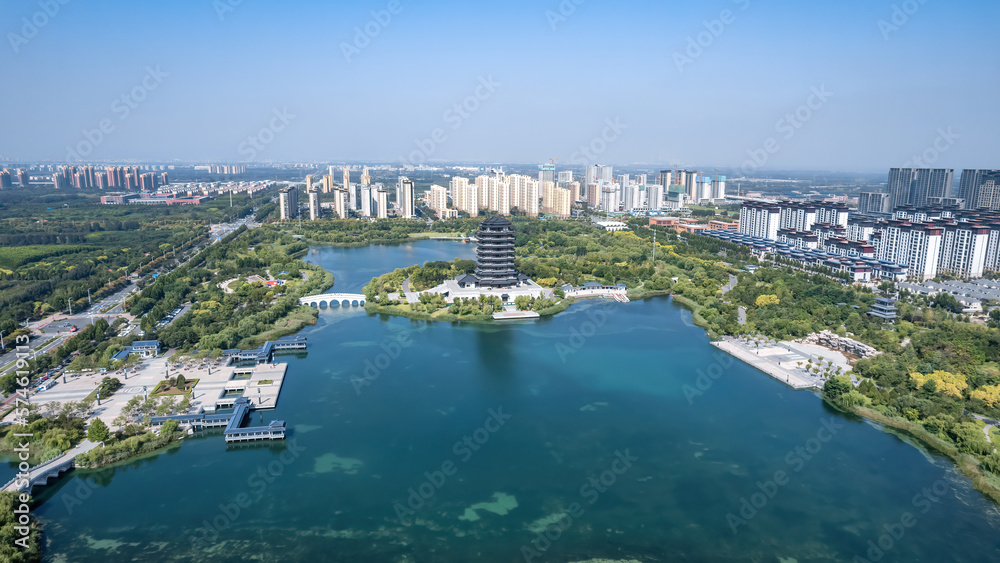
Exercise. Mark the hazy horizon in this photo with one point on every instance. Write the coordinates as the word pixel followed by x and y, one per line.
pixel 634 83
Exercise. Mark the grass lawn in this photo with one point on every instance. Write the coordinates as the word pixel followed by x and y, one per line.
pixel 289 324
pixel 162 389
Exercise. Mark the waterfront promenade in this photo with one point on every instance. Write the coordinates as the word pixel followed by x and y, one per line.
pixel 778 361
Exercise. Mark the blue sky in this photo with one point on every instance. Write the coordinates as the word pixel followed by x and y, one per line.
pixel 556 81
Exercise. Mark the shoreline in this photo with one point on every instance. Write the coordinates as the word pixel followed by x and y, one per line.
pixel 764 365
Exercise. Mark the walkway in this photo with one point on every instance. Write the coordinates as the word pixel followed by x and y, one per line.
pixel 990 423
pixel 40 474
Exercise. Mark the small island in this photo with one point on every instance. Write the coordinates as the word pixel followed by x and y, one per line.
pixel 489 288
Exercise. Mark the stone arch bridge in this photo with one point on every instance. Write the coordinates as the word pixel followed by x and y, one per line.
pixel 330 299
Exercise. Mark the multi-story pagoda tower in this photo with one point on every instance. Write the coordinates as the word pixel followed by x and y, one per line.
pixel 495 253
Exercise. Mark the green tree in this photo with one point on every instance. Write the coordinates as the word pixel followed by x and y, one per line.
pixel 98 431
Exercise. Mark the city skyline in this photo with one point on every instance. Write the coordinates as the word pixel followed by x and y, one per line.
pixel 426 85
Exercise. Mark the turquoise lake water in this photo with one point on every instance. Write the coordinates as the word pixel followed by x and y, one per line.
pixel 615 429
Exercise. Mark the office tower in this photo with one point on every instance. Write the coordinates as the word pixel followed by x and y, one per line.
pixel 382 201
pixel 309 183
pixel 366 178
pixel 546 173
pixel 565 176
pixel 288 201
pixel 366 200
pixel 404 198
pixel 6 180
pixel 979 188
pixel 340 203
pixel 314 209
pixel 495 253
pixel 874 203
pixel 913 186
pixel 437 198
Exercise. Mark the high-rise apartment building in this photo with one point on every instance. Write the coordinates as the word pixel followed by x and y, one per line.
pixel 874 203
pixel 981 189
pixel 6 179
pixel 314 209
pixel 340 203
pixel 367 200
pixel 437 198
pixel 666 178
pixel 382 202
pixel 288 202
pixel 761 219
pixel 23 178
pixel 404 198
pixel 366 178
pixel 913 186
